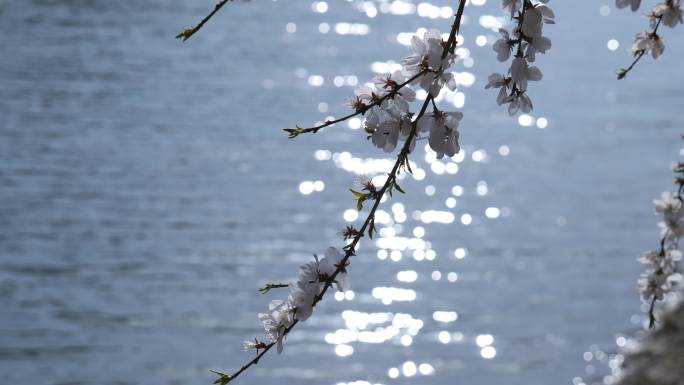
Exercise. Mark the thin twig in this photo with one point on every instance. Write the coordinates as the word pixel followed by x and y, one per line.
pixel 187 33
pixel 294 132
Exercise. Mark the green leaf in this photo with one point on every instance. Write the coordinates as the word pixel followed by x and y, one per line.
pixel 357 194
pixel 360 198
pixel 396 185
pixel 293 132
pixel 223 378
pixel 406 164
pixel 371 227
pixel 186 33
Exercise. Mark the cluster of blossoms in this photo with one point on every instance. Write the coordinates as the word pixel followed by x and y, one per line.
pixel 649 42
pixel 662 272
pixel 314 278
pixel 385 102
pixel 525 41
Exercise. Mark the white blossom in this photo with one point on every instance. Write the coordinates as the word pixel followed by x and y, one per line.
pixel 427 56
pixel 670 12
pixel 368 94
pixel 518 102
pixel 521 72
pixel 652 286
pixel 280 316
pixel 434 82
pixel 400 98
pixel 648 42
pixel 547 14
pixel 427 52
pixel 384 128
pixel 305 290
pixel 664 261
pixel 503 46
pixel 536 44
pixel 633 3
pixel 670 261
pixel 669 205
pixel 330 264
pixel 499 81
pixel 443 128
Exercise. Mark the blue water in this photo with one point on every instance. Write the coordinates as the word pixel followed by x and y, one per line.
pixel 147 191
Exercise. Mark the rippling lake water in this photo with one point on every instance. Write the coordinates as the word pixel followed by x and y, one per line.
pixel 148 190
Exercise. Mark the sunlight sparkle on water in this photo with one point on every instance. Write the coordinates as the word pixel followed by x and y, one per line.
pixel 344 350
pixel 431 216
pixel 488 352
pixel 426 369
pixel 319 6
pixel 460 253
pixel 409 369
pixel 406 340
pixel 492 212
pixel 613 44
pixel 483 340
pixel 444 337
pixel 542 123
pixel 445 316
pixel 391 294
pixel 350 215
pixel 308 187
pixel 407 276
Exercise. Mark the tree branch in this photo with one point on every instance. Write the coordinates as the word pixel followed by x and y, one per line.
pixel 350 248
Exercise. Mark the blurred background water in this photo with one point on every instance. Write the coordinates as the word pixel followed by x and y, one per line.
pixel 147 190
